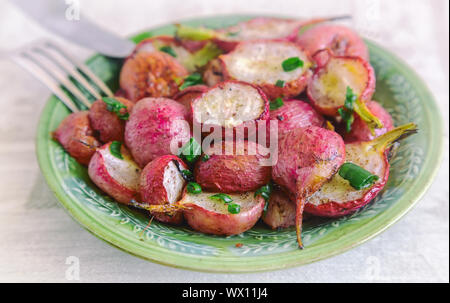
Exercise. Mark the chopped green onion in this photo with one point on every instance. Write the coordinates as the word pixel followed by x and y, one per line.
pixel 276 104
pixel 168 50
pixel 113 105
pixel 191 151
pixel 194 188
pixel 265 192
pixel 205 157
pixel 233 34
pixel 358 177
pixel 222 197
pixel 191 80
pixel 187 175
pixel 114 148
pixel 346 112
pixel 234 208
pixel 280 83
pixel 292 64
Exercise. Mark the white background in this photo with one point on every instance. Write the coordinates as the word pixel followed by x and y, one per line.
pixel 36 235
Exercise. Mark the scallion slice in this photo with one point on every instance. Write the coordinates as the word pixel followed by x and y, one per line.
pixel 168 50
pixel 191 151
pixel 292 63
pixel 191 80
pixel 194 188
pixel 114 148
pixel 221 197
pixel 276 104
pixel 358 177
pixel 115 106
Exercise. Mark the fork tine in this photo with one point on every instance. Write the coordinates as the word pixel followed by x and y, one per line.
pixel 69 68
pixel 54 70
pixel 42 75
pixel 97 81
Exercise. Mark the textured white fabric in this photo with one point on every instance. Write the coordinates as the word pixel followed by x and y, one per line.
pixel 37 235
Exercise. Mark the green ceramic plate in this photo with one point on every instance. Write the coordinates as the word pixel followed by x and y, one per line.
pixel 399 89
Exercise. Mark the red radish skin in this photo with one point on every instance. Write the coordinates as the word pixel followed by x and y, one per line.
pixel 327 104
pixel 281 210
pixel 294 114
pixel 291 88
pixel 240 172
pixel 201 108
pixel 118 178
pixel 153 124
pixel 151 74
pixel 107 124
pixel 341 40
pixel 154 192
pixel 189 94
pixel 361 132
pixel 215 218
pixel 76 136
pixel 307 158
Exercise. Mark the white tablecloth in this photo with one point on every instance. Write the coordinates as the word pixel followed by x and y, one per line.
pixel 37 235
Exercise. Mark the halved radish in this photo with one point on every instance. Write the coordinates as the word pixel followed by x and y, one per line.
pixel 280 211
pixel 261 63
pixel 151 74
pixel 113 170
pixel 162 183
pixel 241 170
pixel 361 132
pixel 337 197
pixel 328 86
pixel 76 136
pixel 213 217
pixel 307 158
pixel 191 54
pixel 230 106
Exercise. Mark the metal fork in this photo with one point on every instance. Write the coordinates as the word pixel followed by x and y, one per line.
pixel 46 61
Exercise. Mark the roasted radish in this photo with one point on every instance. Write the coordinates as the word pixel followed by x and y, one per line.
pixel 154 127
pixel 307 158
pixel 239 170
pixel 261 28
pixel 151 74
pixel 327 88
pixel 338 196
pixel 231 107
pixel 280 210
pixel 162 183
pixel 108 116
pixel 360 131
pixel 221 214
pixel 341 40
pixel 75 134
pixel 113 170
pixel 279 68
pixel 294 114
